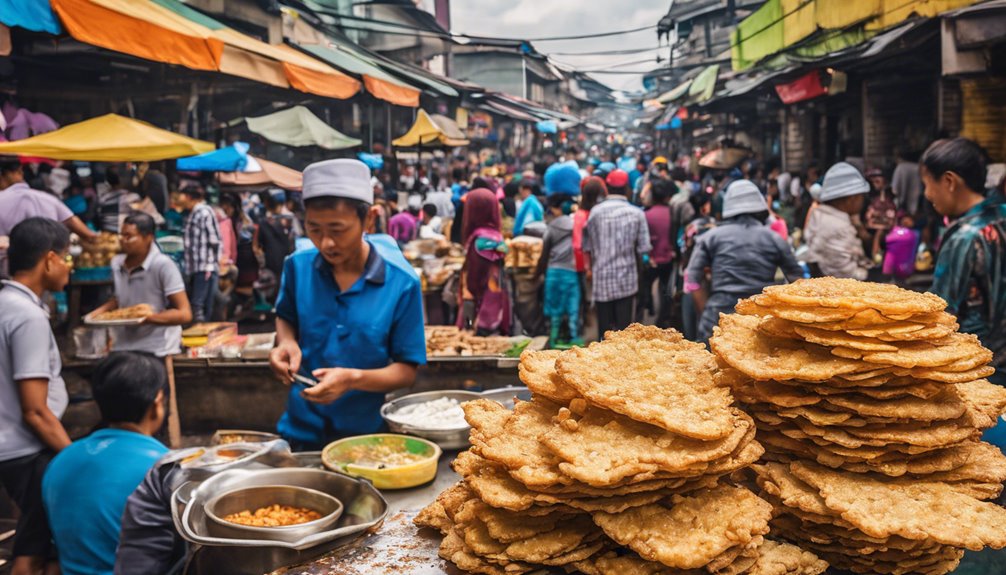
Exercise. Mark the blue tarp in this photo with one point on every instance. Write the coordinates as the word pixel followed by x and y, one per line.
pixel 233 158
pixel 547 127
pixel 373 161
pixel 34 15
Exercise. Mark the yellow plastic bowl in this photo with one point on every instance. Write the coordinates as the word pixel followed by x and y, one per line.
pixel 337 456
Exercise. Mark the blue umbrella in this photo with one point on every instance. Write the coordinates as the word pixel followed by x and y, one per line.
pixel 233 158
pixel 547 127
pixel 373 161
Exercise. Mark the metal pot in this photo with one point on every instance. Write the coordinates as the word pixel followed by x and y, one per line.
pixel 251 498
pixel 456 438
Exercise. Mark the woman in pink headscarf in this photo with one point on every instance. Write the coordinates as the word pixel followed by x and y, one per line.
pixel 484 305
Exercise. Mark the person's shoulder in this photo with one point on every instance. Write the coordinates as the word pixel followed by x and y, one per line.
pixel 389 251
pixel 117 261
pixel 15 311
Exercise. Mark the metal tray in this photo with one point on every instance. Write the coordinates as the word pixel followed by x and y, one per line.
pixel 365 508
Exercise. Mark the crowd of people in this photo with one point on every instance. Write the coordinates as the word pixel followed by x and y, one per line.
pixel 623 238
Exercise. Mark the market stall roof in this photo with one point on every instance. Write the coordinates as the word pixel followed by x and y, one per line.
pixel 169 31
pixel 414 75
pixel 675 93
pixel 34 16
pixel 509 111
pixel 297 126
pixel 378 82
pixel 233 158
pixel 432 131
pixel 271 174
pixel 108 138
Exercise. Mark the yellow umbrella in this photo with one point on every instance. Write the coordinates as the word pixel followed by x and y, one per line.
pixel 431 131
pixel 108 138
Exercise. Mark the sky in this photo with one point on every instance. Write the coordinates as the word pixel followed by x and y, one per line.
pixel 548 18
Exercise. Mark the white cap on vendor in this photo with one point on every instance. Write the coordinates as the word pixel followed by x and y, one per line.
pixel 843 180
pixel 743 197
pixel 342 178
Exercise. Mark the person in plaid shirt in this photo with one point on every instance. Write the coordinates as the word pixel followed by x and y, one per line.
pixel 202 252
pixel 616 237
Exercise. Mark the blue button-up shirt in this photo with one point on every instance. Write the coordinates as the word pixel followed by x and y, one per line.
pixel 377 321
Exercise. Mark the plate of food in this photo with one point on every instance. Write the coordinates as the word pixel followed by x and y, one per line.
pixel 388 460
pixel 132 315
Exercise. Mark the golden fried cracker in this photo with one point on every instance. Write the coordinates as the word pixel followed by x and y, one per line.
pixel 946 405
pixel 497 488
pixel 512 438
pixel 778 558
pixel 668 384
pixel 625 563
pixel 842 339
pixel 434 517
pixel 537 372
pixel 986 402
pixel 829 292
pixel 694 530
pixel 946 376
pixel 510 526
pixel 737 342
pixel 914 510
pixel 453 549
pixel 960 349
pixel 584 446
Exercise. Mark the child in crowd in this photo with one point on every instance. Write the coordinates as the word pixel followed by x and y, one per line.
pixel 562 283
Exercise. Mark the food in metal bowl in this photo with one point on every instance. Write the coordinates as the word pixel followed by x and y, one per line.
pixel 274 516
pixel 441 413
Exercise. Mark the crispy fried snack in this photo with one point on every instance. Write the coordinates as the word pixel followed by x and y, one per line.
pixel 649 376
pixel 913 510
pixel 537 372
pixel 694 531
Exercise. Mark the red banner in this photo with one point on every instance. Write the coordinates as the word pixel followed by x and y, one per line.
pixel 803 88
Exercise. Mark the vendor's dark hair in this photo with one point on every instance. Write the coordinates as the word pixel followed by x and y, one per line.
pixel 125 384
pixel 960 156
pixel 761 216
pixel 32 239
pixel 144 223
pixel 662 190
pixel 9 164
pixel 480 182
pixel 331 203
pixel 194 192
pixel 430 209
pixel 592 191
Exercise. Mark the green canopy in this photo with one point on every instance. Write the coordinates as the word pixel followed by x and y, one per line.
pixel 297 126
pixel 704 85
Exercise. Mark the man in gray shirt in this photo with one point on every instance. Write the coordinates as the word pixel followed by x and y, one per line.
pixel 32 394
pixel 144 275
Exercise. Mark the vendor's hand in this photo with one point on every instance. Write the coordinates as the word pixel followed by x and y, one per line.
pixel 284 360
pixel 332 384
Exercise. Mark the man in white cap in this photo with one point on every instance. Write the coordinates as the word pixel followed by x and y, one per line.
pixel 833 244
pixel 349 314
pixel 741 256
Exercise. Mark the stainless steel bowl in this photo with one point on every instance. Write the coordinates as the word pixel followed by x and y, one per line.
pixel 251 498
pixel 456 438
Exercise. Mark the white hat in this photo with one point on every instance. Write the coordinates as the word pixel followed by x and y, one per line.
pixel 342 178
pixel 743 197
pixel 815 192
pixel 843 180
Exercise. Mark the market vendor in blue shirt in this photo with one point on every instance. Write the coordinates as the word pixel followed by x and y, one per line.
pixel 349 313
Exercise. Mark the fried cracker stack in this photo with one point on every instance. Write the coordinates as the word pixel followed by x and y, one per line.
pixel 615 466
pixel 869 403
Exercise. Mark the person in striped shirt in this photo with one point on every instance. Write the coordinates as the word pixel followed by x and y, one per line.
pixel 202 252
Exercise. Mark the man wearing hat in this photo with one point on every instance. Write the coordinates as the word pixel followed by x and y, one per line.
pixel 833 244
pixel 349 314
pixel 741 254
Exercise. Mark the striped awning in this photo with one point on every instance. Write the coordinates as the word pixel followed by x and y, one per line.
pixel 171 32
